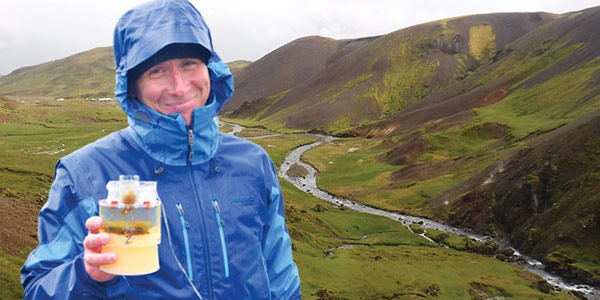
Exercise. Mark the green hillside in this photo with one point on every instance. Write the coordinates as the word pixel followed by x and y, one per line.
pixel 88 74
pixel 379 76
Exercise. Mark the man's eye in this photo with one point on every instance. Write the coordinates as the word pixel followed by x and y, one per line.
pixel 155 71
pixel 189 63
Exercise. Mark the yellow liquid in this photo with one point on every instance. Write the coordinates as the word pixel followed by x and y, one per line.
pixel 136 254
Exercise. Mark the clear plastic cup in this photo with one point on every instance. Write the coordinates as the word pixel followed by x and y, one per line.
pixel 131 216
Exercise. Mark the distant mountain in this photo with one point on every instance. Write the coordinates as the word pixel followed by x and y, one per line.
pixel 288 66
pixel 87 74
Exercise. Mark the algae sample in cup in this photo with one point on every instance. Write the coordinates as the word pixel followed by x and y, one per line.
pixel 131 216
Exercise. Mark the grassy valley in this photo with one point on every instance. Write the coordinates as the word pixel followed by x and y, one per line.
pixel 341 254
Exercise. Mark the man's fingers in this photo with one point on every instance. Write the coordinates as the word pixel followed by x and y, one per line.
pixel 100 275
pixel 94 224
pixel 97 259
pixel 94 242
pixel 93 261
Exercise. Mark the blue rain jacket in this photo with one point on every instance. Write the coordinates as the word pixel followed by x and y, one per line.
pixel 220 193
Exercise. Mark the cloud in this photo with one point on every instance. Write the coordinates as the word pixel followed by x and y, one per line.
pixel 36 31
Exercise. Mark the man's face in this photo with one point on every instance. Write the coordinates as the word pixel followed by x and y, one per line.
pixel 175 86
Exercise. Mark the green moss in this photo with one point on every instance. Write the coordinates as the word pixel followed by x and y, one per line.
pixel 451 240
pixel 407 74
pixel 272 101
pixel 482 43
pixel 575 15
pixel 10 279
pixel 340 124
pixel 523 65
pixel 417 228
pixel 333 93
pixel 458 141
pixel 547 105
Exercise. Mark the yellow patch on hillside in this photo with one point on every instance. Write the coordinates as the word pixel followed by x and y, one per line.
pixel 482 42
pixel 573 16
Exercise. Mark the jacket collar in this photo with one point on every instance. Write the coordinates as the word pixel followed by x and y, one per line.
pixel 167 139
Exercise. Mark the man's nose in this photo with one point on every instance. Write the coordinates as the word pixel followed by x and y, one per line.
pixel 179 85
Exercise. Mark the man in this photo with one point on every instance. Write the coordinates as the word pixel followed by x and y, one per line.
pixel 224 235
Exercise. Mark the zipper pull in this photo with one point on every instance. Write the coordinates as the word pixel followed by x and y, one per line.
pixel 218 210
pixel 180 209
pixel 191 145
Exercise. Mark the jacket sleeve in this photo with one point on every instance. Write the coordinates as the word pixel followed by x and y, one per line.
pixel 55 269
pixel 277 249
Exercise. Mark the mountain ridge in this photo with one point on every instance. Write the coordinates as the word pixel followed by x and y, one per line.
pixel 374 75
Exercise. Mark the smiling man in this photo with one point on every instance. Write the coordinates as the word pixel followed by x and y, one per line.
pixel 224 235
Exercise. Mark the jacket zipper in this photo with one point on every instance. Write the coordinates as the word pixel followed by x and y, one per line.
pixel 223 247
pixel 191 146
pixel 185 225
pixel 199 207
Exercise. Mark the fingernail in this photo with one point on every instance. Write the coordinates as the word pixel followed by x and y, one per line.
pixel 112 258
pixel 105 239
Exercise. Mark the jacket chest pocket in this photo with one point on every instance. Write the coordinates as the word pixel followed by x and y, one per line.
pixel 238 206
pixel 238 214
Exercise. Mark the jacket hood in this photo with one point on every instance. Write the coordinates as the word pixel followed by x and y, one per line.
pixel 139 34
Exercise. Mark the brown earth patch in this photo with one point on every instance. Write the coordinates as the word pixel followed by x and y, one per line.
pixel 494 95
pixel 418 172
pixel 406 152
pixel 249 108
pixel 84 119
pixel 445 123
pixel 386 144
pixel 479 291
pixel 11 105
pixel 18 233
pixel 424 171
pixel 472 210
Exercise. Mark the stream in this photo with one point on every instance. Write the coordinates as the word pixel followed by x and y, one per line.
pixel 309 185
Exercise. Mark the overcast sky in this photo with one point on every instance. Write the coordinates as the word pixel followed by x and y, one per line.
pixel 37 31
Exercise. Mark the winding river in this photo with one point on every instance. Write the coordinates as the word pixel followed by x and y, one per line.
pixel 309 185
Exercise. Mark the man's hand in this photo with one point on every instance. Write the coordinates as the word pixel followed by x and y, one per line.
pixel 93 256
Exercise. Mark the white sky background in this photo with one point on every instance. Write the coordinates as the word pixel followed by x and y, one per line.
pixel 37 31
